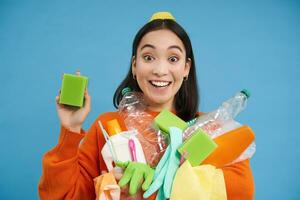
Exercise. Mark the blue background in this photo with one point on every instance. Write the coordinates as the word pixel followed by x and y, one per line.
pixel 237 44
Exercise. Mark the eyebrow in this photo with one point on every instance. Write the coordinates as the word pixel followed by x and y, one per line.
pixel 175 47
pixel 148 45
pixel 170 47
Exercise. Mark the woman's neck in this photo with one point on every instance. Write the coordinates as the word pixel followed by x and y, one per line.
pixel 158 108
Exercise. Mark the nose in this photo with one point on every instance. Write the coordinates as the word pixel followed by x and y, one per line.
pixel 160 69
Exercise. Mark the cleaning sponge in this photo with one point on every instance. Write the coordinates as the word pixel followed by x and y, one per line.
pixel 72 90
pixel 198 147
pixel 166 119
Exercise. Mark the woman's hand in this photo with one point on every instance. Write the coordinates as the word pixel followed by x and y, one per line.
pixel 72 117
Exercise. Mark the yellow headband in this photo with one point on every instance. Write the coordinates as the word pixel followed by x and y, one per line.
pixel 162 15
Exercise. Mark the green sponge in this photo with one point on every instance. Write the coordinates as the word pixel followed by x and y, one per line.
pixel 166 119
pixel 198 147
pixel 72 90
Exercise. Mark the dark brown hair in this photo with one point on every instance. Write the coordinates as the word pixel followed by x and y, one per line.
pixel 186 100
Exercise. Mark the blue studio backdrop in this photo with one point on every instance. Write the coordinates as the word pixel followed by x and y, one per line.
pixel 237 44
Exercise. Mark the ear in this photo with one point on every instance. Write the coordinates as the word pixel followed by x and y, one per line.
pixel 133 65
pixel 187 67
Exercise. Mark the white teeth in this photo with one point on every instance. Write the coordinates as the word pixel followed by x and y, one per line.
pixel 160 83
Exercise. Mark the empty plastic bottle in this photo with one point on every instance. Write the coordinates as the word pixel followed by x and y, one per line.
pixel 132 108
pixel 218 122
pixel 212 122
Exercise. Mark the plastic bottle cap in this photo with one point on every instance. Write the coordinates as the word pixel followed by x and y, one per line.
pixel 113 127
pixel 192 121
pixel 246 92
pixel 126 90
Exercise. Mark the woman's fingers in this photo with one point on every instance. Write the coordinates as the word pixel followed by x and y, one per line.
pixel 57 99
pixel 87 101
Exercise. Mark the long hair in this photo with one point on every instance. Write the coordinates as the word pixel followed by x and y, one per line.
pixel 186 100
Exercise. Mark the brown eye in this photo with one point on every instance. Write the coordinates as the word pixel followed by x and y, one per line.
pixel 173 59
pixel 148 58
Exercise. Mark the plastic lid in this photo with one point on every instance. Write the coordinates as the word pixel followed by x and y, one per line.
pixel 126 90
pixel 246 92
pixel 192 121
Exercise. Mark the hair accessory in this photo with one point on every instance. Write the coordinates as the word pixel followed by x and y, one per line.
pixel 162 15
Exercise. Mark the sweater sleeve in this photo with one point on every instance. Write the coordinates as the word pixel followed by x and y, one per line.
pixel 239 181
pixel 69 168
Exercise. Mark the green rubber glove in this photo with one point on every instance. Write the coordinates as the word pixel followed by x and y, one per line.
pixel 135 173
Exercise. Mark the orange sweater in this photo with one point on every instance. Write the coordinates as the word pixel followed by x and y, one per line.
pixel 68 171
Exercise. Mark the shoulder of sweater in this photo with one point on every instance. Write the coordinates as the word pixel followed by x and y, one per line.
pixel 108 115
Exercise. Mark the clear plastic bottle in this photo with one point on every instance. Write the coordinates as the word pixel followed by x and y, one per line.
pixel 132 108
pixel 221 120
pixel 212 122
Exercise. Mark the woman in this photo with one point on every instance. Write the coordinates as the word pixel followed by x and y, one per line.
pixel 163 68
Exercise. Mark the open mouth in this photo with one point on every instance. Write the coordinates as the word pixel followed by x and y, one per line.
pixel 160 84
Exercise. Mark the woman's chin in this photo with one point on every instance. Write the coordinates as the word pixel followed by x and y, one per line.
pixel 157 104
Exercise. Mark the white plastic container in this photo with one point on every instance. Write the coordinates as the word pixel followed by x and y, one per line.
pixel 120 144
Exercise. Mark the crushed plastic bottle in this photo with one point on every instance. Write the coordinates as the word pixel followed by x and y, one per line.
pixel 132 108
pixel 220 121
pixel 212 122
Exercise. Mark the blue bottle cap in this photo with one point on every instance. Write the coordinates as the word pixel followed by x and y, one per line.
pixel 246 92
pixel 126 90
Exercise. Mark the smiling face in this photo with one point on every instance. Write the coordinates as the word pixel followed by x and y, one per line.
pixel 160 66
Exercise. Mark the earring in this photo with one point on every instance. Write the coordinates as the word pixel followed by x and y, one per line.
pixel 185 78
pixel 134 77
